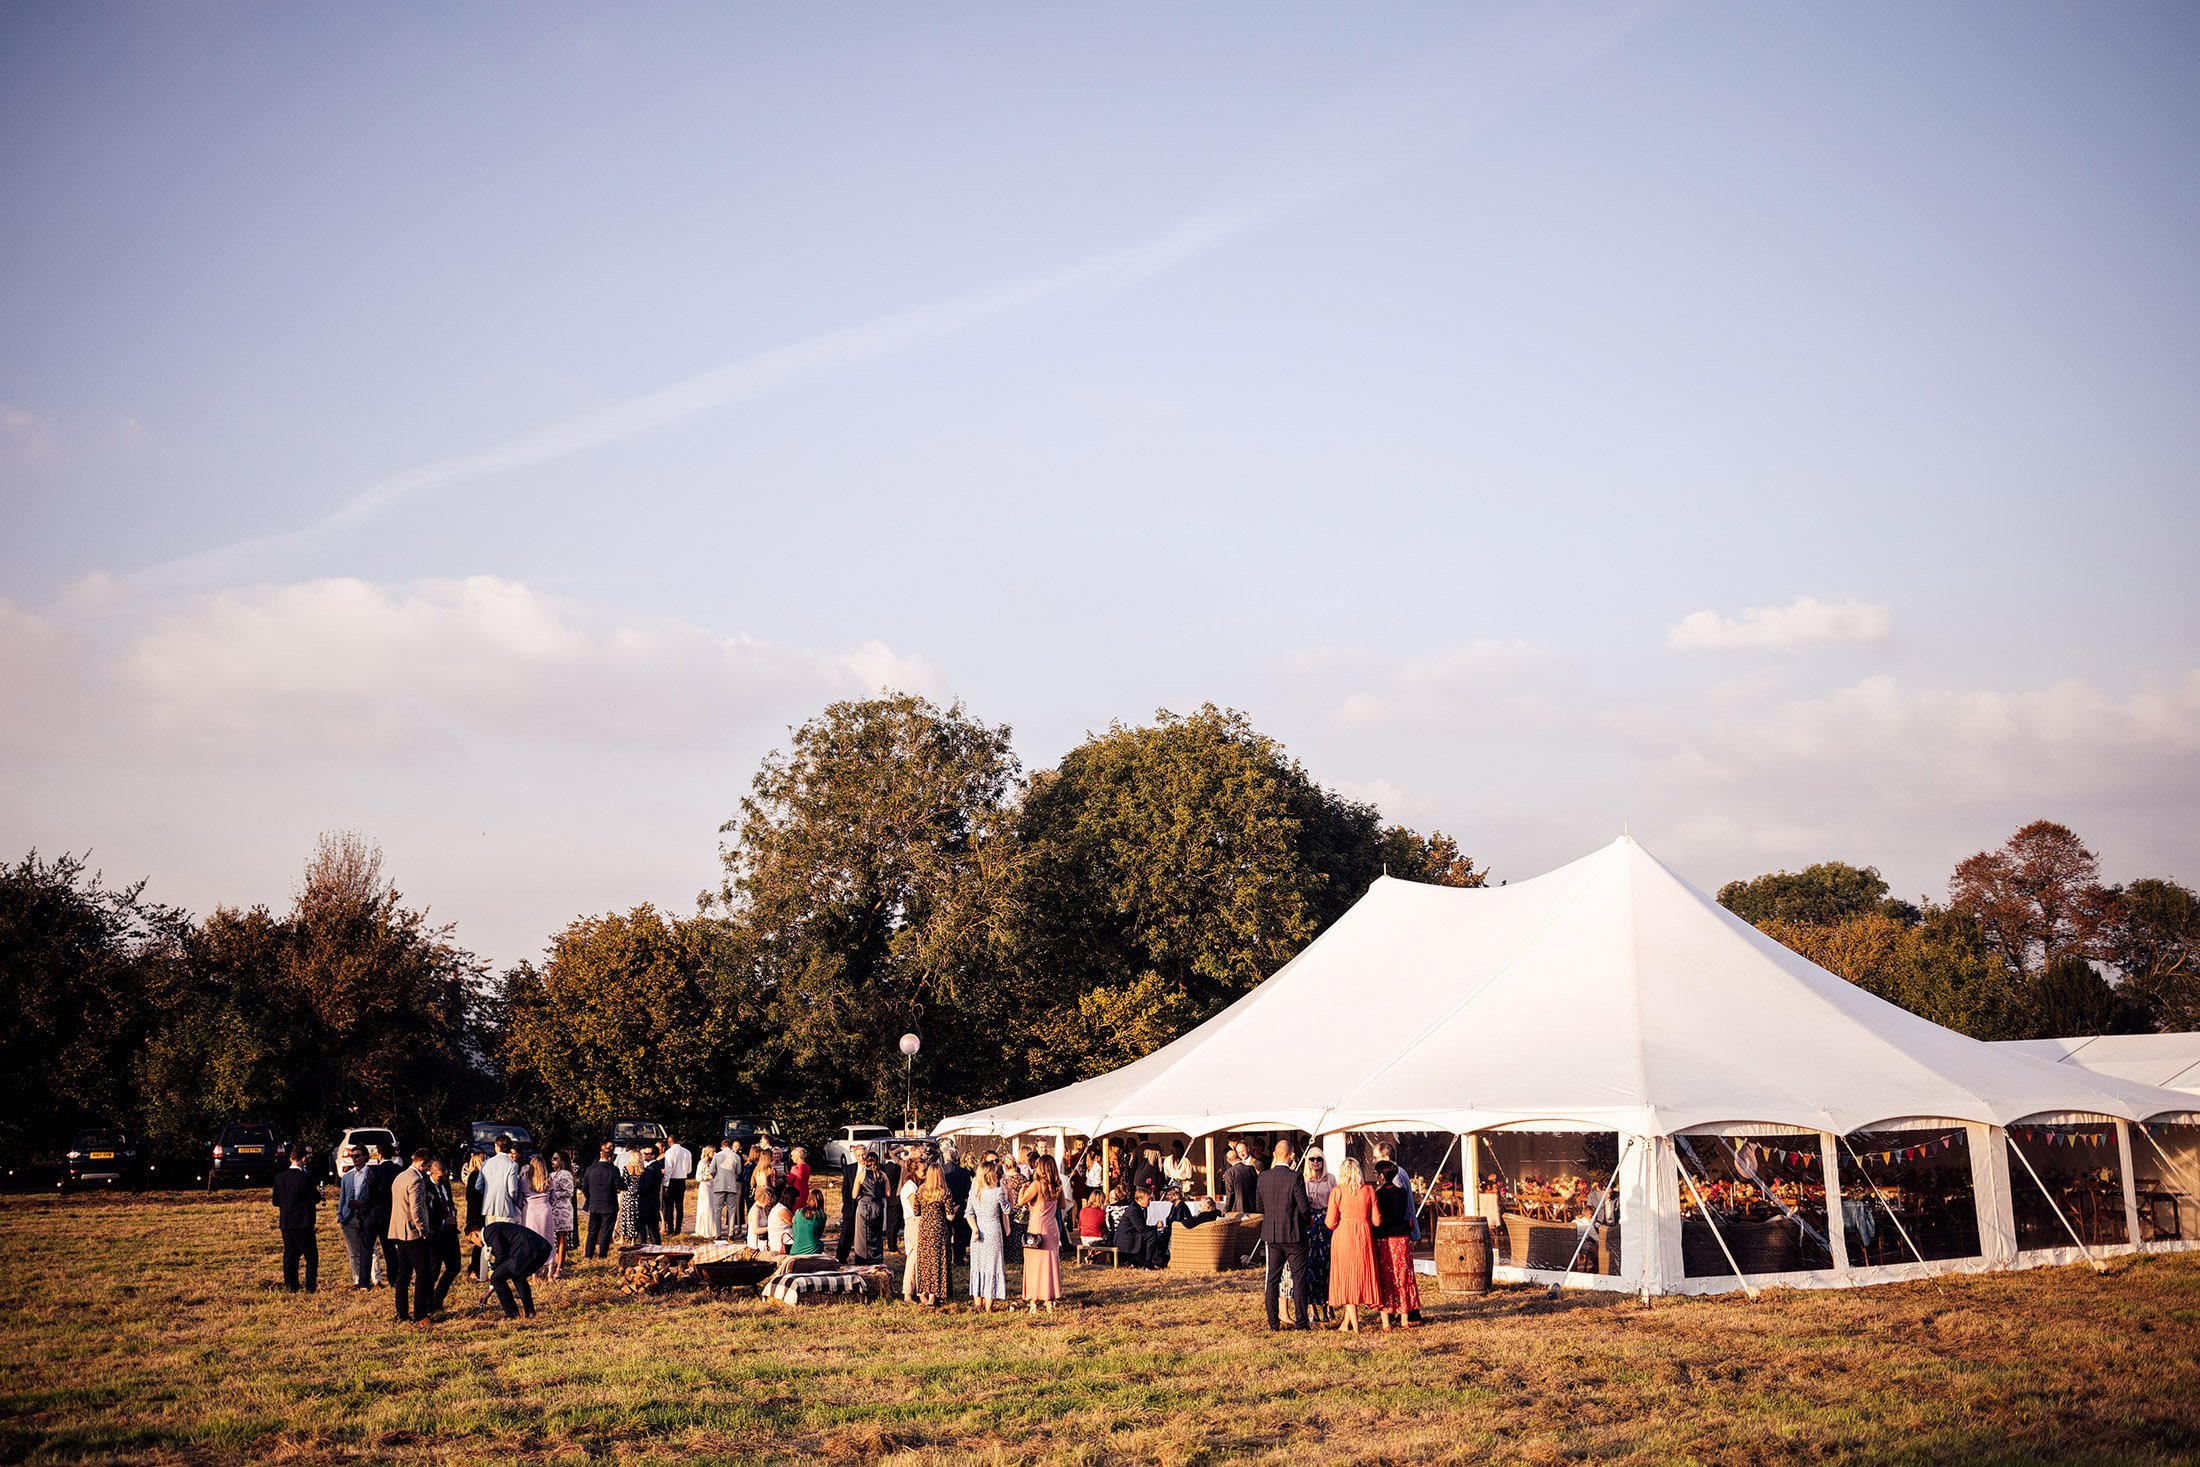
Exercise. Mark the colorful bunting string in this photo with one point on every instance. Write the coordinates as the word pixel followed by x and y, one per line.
pixel 2055 1136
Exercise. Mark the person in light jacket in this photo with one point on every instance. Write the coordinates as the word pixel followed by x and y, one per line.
pixel 412 1227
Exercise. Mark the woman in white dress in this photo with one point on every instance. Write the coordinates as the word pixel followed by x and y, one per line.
pixel 706 1215
pixel 912 1181
pixel 780 1229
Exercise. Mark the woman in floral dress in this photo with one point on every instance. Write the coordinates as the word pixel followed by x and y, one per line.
pixel 935 1239
pixel 1319 1184
pixel 988 1238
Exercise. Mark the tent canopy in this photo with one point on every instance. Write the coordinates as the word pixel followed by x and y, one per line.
pixel 1609 994
pixel 2168 1061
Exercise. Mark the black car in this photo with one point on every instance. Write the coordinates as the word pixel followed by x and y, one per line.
pixel 746 1131
pixel 631 1132
pixel 101 1158
pixel 245 1153
pixel 482 1138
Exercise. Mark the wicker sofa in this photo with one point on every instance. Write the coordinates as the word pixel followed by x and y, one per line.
pixel 1212 1247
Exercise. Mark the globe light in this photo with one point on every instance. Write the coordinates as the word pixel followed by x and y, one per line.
pixel 910 1044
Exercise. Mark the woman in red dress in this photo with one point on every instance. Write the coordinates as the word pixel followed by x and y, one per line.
pixel 1353 1283
pixel 1394 1247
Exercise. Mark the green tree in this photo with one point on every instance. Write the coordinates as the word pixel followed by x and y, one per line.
pixel 2154 942
pixel 1168 869
pixel 379 1009
pixel 86 968
pixel 871 869
pixel 1820 894
pixel 226 1048
pixel 631 1014
pixel 1937 966
pixel 2070 997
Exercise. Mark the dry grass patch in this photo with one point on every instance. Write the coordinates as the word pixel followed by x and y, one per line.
pixel 149 1330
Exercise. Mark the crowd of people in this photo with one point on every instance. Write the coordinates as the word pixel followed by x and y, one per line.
pixel 1344 1243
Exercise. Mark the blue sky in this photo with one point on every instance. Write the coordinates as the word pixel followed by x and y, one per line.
pixel 490 427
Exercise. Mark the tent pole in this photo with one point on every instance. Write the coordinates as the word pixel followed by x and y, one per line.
pixel 2056 1208
pixel 1432 1176
pixel 2131 1183
pixel 1884 1205
pixel 1210 1138
pixel 1717 1236
pixel 1579 1243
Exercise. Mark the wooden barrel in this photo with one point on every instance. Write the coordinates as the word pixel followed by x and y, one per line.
pixel 1463 1255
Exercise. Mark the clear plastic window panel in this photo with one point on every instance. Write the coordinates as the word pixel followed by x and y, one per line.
pixel 2080 1187
pixel 1550 1199
pixel 1766 1199
pixel 1905 1190
pixel 2165 1173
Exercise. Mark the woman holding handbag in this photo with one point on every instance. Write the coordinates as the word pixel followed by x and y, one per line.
pixel 1043 1243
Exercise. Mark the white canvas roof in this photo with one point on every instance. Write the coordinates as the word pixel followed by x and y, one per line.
pixel 1608 993
pixel 2170 1061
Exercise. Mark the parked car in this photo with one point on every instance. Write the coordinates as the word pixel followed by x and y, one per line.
pixel 842 1148
pixel 245 1152
pixel 746 1131
pixel 101 1156
pixel 482 1138
pixel 363 1137
pixel 626 1133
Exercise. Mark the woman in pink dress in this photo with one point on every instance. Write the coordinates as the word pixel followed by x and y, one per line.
pixel 1042 1197
pixel 1353 1283
pixel 534 1193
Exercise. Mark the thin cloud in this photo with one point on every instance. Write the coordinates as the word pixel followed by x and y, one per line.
pixel 1494 67
pixel 1805 622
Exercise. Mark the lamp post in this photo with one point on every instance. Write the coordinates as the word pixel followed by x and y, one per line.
pixel 910 1044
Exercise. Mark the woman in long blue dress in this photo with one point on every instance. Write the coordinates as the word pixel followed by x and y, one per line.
pixel 988 1238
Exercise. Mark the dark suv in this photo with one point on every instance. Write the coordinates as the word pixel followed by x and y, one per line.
pixel 245 1153
pixel 743 1132
pixel 482 1138
pixel 103 1158
pixel 629 1134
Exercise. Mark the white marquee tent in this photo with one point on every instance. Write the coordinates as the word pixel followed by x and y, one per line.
pixel 1606 996
pixel 2170 1061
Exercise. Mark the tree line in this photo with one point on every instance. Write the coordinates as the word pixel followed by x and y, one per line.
pixel 2031 944
pixel 895 869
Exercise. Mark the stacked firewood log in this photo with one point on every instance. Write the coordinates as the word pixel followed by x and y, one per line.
pixel 654 1276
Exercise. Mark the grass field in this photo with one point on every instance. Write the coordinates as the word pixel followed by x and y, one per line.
pixel 149 1330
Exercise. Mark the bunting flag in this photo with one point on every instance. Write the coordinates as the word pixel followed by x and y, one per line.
pixel 2051 1136
pixel 1917 1152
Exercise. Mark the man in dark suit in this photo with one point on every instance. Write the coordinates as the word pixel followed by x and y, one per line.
pixel 297 1200
pixel 648 1212
pixel 1241 1183
pixel 600 1200
pixel 382 1175
pixel 890 1173
pixel 518 1252
pixel 1137 1242
pixel 847 1240
pixel 958 1203
pixel 1284 1213
pixel 443 1232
